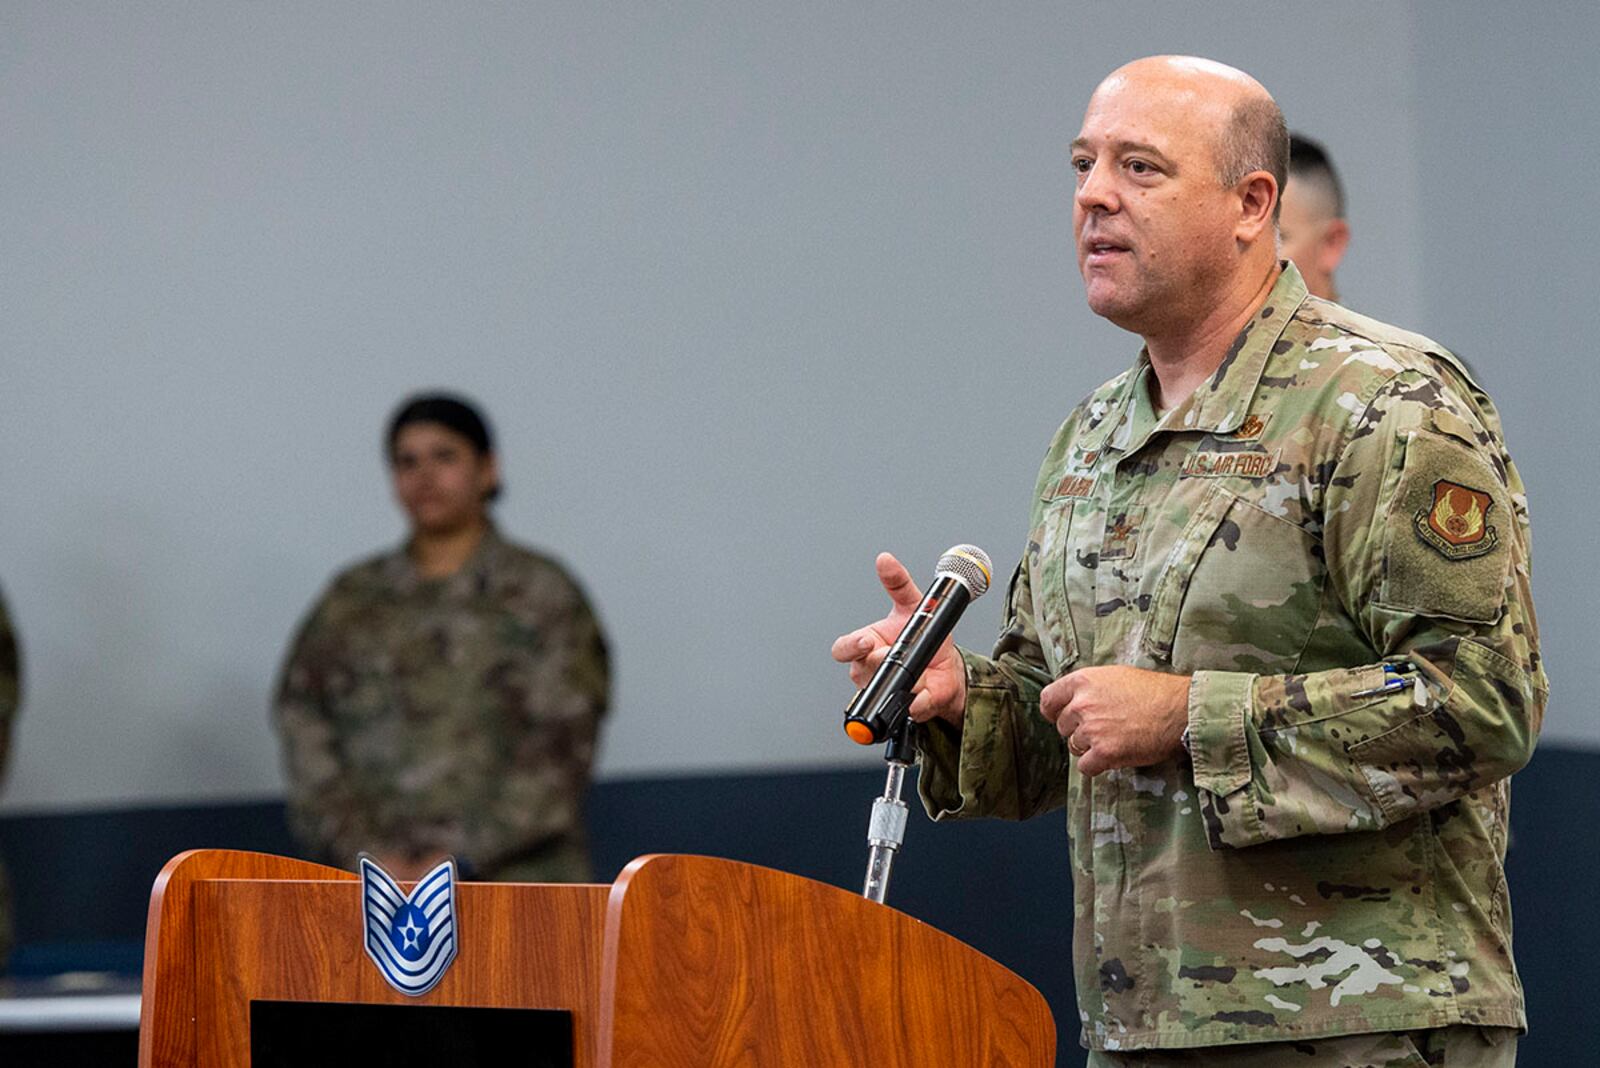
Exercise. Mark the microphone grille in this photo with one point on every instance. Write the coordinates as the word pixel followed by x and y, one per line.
pixel 969 564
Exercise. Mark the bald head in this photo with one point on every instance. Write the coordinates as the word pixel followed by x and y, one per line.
pixel 1191 72
pixel 1249 132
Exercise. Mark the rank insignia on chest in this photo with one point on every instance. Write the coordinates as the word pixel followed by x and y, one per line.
pixel 1121 540
pixel 411 938
pixel 1457 522
pixel 1252 428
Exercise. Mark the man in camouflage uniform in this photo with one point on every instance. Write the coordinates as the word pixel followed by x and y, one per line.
pixel 10 700
pixel 1270 642
pixel 456 713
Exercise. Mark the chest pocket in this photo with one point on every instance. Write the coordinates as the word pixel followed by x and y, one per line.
pixel 1239 590
pixel 1057 636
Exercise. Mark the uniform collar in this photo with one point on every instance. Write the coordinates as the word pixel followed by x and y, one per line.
pixel 402 572
pixel 1222 401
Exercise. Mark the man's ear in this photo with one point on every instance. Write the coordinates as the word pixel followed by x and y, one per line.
pixel 1331 249
pixel 1258 197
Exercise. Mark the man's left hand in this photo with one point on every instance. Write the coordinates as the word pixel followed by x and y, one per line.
pixel 1118 717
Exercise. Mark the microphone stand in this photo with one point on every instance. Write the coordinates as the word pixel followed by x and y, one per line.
pixel 880 709
pixel 887 828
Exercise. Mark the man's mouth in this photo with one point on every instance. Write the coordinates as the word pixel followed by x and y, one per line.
pixel 1097 251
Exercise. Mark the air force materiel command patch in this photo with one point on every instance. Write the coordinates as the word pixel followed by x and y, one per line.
pixel 1456 525
pixel 411 939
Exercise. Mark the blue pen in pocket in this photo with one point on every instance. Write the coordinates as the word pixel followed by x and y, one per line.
pixel 1394 680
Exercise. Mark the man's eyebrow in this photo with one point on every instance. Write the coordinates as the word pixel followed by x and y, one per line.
pixel 1124 147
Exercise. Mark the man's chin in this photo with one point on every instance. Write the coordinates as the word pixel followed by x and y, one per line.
pixel 1115 308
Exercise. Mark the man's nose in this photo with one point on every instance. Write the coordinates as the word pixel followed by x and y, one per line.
pixel 1096 191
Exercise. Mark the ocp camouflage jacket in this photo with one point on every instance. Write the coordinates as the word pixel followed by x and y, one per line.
pixel 1330 538
pixel 455 715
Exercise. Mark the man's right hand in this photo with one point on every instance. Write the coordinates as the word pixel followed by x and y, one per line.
pixel 942 690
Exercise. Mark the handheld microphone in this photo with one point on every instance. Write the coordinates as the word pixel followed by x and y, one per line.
pixel 879 707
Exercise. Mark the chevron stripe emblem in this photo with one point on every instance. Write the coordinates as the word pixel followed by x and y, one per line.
pixel 411 938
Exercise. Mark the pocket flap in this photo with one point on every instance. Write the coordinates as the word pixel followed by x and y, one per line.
pixel 1162 625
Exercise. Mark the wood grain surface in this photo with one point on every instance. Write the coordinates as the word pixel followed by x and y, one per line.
pixel 166 1008
pixel 712 963
pixel 259 936
pixel 687 962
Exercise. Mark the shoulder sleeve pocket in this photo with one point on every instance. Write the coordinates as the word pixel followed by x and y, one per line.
pixel 1446 542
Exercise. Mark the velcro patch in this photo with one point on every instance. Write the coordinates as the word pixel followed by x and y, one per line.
pixel 1442 553
pixel 1208 464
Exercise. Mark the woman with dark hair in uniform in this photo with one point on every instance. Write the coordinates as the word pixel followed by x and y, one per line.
pixel 444 697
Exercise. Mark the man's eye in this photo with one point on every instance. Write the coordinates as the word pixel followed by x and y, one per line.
pixel 1139 166
pixel 1081 165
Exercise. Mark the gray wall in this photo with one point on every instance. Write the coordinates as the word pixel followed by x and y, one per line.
pixel 1510 143
pixel 710 266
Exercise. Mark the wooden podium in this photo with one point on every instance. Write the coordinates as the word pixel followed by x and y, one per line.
pixel 685 962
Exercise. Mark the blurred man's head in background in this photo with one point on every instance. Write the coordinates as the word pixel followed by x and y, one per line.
pixel 1312 229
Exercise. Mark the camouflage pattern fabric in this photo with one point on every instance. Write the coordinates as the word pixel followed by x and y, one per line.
pixel 455 715
pixel 1450 1047
pixel 10 701
pixel 1331 539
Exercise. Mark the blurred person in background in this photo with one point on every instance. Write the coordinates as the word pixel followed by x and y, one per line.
pixel 1312 231
pixel 444 697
